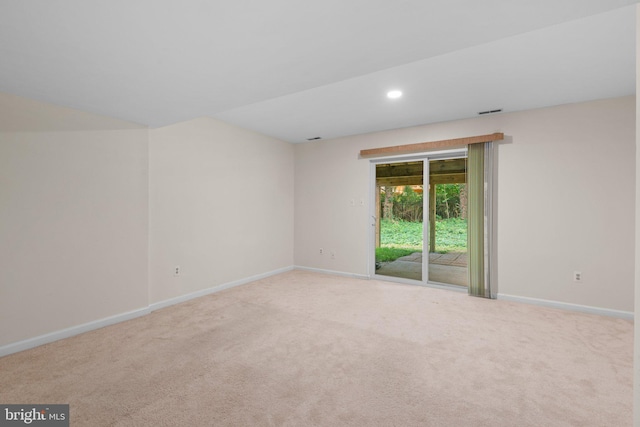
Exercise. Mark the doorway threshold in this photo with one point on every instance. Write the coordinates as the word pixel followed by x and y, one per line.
pixel 405 281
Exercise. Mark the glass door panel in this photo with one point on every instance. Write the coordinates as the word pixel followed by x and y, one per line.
pixel 448 257
pixel 400 207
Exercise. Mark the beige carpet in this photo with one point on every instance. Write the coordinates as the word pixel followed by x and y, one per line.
pixel 303 349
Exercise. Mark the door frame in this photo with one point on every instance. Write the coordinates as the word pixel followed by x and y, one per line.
pixel 371 241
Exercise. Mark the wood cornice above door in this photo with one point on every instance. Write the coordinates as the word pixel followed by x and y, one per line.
pixel 430 146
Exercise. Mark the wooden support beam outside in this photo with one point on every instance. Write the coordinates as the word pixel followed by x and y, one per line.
pixel 399 169
pixel 449 178
pixel 399 181
pixel 378 214
pixel 430 146
pixel 432 218
pixel 448 165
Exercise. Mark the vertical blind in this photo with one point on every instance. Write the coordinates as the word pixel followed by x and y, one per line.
pixel 479 172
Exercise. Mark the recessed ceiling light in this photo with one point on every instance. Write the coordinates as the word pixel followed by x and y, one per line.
pixel 394 94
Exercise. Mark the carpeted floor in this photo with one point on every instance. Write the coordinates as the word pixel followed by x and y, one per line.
pixel 304 349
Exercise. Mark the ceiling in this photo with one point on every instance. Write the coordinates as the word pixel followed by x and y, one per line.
pixel 296 69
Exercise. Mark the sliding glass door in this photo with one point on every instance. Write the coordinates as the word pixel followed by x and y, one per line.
pixel 400 207
pixel 432 219
pixel 420 219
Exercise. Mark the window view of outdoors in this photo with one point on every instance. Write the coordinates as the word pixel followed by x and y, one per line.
pixel 399 237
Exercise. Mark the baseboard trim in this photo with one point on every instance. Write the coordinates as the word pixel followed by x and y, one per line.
pixel 333 272
pixel 69 332
pixel 628 315
pixel 101 323
pixel 97 324
pixel 212 290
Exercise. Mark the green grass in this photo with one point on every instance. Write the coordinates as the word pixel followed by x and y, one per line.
pixel 401 234
pixel 400 238
pixel 451 235
pixel 384 254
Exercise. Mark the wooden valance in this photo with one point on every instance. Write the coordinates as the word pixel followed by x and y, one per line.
pixel 430 146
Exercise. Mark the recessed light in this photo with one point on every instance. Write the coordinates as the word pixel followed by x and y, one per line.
pixel 394 94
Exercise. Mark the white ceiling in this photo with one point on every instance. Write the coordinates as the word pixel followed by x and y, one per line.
pixel 297 69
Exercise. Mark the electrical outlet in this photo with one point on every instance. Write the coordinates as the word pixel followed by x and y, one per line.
pixel 321 251
pixel 577 276
pixel 176 271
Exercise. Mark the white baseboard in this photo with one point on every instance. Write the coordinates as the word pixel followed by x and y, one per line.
pixel 628 315
pixel 332 272
pixel 182 298
pixel 69 332
pixel 97 324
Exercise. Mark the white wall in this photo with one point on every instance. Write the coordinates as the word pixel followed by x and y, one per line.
pixel 566 184
pixel 221 206
pixel 73 218
pixel 96 212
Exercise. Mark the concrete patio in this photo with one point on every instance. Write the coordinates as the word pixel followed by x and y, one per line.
pixel 450 268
